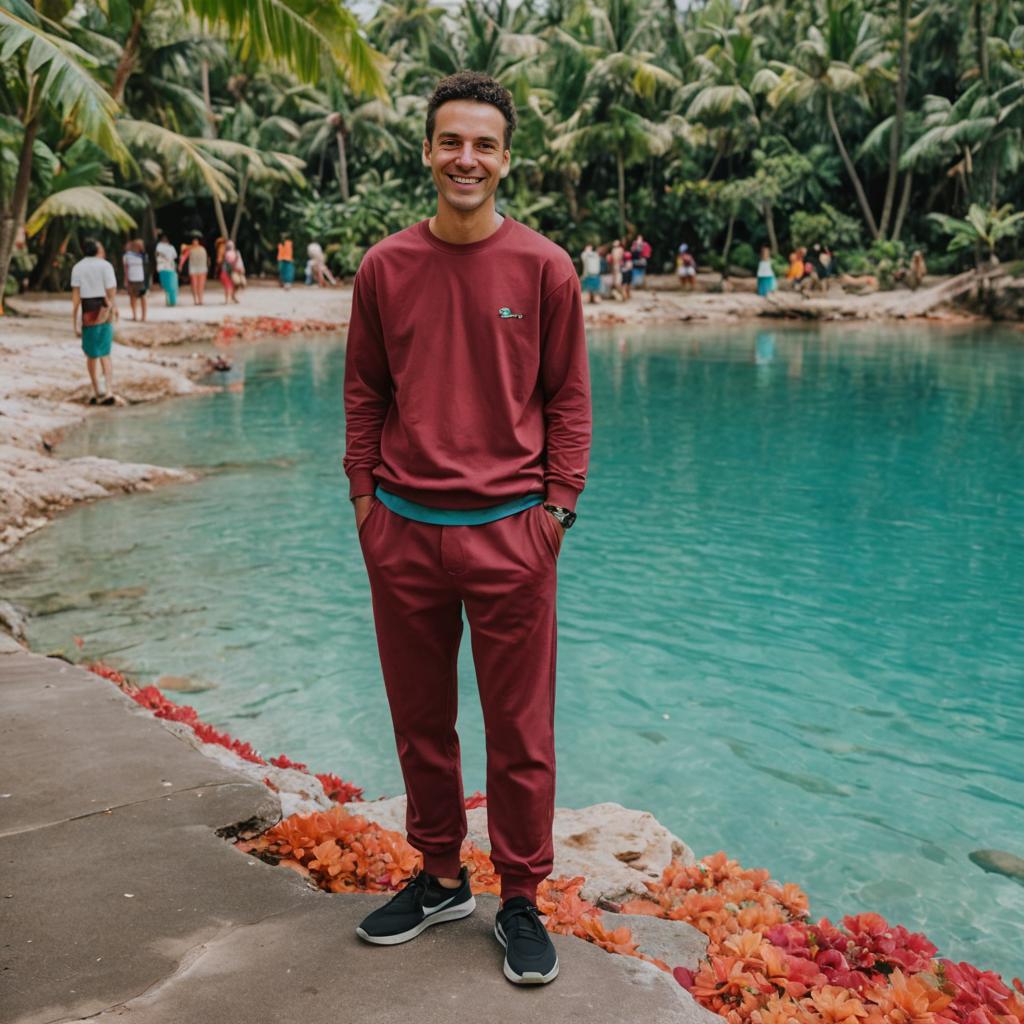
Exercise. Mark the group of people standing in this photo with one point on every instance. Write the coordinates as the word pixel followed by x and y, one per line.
pixel 614 269
pixel 317 271
pixel 169 264
pixel 810 269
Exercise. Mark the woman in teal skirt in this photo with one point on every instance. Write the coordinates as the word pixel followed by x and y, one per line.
pixel 765 273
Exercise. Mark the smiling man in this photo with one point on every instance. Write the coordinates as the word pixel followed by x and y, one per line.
pixel 467 403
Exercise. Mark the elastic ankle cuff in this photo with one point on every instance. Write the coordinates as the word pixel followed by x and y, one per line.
pixel 512 886
pixel 443 865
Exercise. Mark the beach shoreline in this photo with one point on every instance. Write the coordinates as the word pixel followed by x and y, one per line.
pixel 45 389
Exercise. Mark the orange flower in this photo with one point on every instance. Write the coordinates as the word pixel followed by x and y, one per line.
pixel 837 1005
pixel 783 1010
pixel 906 1000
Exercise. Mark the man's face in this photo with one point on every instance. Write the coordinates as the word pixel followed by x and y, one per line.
pixel 101 253
pixel 467 156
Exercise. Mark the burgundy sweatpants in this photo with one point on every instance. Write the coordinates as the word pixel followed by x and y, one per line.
pixel 504 572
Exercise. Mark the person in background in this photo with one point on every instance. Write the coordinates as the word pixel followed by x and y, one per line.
pixel 94 293
pixel 591 260
pixel 686 268
pixel 318 269
pixel 796 266
pixel 167 269
pixel 641 251
pixel 285 261
pixel 615 263
pixel 136 276
pixel 627 274
pixel 818 269
pixel 232 272
pixel 917 272
pixel 198 267
pixel 765 273
pixel 825 261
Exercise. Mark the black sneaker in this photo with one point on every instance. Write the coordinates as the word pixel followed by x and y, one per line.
pixel 421 902
pixel 530 957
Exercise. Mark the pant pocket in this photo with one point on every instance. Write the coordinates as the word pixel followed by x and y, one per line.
pixel 553 541
pixel 366 518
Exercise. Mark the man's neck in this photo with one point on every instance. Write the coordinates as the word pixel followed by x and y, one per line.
pixel 462 229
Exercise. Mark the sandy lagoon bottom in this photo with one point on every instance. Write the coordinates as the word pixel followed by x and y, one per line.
pixel 789 615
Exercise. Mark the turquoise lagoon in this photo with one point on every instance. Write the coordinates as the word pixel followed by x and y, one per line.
pixel 790 614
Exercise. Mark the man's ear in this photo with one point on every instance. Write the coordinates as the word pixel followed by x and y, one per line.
pixel 425 155
pixel 506 163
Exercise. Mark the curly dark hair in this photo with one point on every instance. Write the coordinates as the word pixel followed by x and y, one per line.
pixel 472 85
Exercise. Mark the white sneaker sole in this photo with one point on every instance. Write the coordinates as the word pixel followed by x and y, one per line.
pixel 527 977
pixel 451 914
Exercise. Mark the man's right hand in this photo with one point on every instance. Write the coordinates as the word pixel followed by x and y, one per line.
pixel 362 504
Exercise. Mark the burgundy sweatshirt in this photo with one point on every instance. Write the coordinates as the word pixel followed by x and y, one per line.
pixel 466 377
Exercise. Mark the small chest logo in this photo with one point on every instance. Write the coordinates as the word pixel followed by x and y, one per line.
pixel 506 314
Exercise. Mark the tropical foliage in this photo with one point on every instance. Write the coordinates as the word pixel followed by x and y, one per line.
pixel 728 124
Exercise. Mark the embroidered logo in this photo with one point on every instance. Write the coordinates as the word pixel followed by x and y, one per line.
pixel 506 314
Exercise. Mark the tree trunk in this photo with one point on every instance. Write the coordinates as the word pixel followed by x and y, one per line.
pixel 769 223
pixel 896 135
pixel 126 65
pixel 981 40
pixel 240 208
pixel 901 213
pixel 719 149
pixel 728 242
pixel 620 167
pixel 12 218
pixel 210 131
pixel 342 165
pixel 850 169
pixel 570 197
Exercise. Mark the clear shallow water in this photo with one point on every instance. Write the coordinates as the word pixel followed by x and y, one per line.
pixel 790 614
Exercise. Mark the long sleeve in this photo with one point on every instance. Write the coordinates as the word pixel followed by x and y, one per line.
pixel 565 378
pixel 368 386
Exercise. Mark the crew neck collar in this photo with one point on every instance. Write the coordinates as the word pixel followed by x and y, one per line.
pixel 469 247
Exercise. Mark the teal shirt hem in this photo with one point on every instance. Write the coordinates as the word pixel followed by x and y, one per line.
pixel 455 516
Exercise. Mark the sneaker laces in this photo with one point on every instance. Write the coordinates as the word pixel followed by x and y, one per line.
pixel 526 918
pixel 414 890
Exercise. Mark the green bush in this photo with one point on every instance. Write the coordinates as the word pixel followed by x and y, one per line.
pixel 742 255
pixel 827 227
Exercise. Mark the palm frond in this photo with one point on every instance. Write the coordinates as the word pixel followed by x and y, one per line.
pixel 62 74
pixel 182 155
pixel 87 204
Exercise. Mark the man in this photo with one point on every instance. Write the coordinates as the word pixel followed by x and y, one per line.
pixel 167 269
pixel 467 401
pixel 94 292
pixel 136 275
pixel 591 261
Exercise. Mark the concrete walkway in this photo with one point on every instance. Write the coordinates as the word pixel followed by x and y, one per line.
pixel 119 900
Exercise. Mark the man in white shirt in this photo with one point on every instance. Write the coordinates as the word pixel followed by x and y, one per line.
pixel 94 292
pixel 167 269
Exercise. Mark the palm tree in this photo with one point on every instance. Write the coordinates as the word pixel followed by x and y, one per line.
pixel 56 82
pixel 618 95
pixel 981 227
pixel 841 63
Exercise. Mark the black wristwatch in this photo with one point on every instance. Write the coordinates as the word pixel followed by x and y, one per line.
pixel 563 515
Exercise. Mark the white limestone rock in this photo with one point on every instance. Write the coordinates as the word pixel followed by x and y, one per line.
pixel 299 792
pixel 615 848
